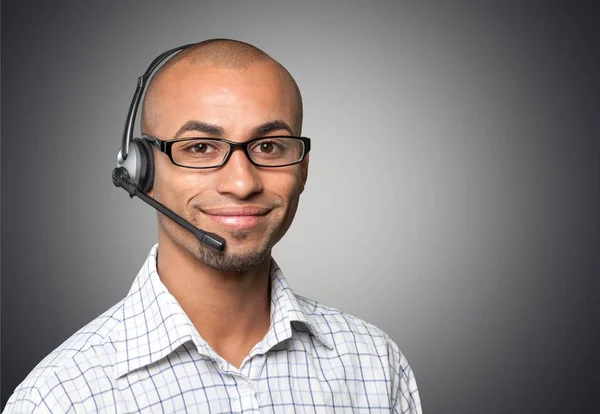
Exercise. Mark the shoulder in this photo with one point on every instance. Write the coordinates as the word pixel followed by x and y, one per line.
pixel 87 353
pixel 348 331
pixel 337 322
pixel 364 345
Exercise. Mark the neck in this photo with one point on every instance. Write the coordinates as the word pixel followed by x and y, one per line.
pixel 230 310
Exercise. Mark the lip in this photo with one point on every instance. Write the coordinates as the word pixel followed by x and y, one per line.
pixel 237 217
pixel 237 211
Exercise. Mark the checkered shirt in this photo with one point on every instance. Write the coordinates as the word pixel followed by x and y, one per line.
pixel 144 355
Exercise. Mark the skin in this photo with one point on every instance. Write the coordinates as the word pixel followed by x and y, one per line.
pixel 226 295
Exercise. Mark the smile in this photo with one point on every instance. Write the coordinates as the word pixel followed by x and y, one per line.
pixel 239 217
pixel 238 222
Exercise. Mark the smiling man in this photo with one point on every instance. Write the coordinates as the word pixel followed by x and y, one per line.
pixel 205 331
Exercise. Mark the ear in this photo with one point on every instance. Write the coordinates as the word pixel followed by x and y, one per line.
pixel 304 172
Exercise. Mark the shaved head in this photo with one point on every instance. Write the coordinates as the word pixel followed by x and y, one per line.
pixel 216 54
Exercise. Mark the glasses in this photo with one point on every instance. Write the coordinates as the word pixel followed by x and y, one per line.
pixel 278 151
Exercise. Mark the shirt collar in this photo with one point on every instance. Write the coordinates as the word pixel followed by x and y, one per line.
pixel 286 309
pixel 153 324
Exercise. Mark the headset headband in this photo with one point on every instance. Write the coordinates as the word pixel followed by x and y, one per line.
pixel 137 97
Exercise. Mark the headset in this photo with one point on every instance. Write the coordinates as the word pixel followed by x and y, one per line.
pixel 134 171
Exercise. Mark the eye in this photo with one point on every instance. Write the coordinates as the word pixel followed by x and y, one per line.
pixel 268 148
pixel 200 148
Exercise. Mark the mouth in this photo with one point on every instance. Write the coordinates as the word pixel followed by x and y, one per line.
pixel 239 218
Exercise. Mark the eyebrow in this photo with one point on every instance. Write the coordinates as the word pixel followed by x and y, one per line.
pixel 211 129
pixel 272 126
pixel 200 127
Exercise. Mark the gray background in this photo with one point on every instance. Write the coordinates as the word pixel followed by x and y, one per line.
pixel 453 194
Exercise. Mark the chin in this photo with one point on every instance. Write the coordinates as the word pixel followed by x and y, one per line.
pixel 244 250
pixel 237 259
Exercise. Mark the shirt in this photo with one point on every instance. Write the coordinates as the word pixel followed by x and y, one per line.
pixel 144 355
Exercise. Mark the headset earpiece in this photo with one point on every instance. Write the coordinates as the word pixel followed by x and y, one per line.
pixel 140 164
pixel 146 177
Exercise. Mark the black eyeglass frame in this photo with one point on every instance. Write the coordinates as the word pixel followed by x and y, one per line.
pixel 166 148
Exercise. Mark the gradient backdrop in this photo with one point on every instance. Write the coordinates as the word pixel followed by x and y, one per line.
pixel 453 195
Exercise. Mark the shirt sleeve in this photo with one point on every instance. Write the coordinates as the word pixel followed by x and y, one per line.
pixel 405 394
pixel 407 400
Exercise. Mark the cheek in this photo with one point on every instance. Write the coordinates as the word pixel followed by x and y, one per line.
pixel 288 187
pixel 285 181
pixel 162 172
pixel 175 185
pixel 290 192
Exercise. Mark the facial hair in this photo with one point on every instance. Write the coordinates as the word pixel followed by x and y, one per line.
pixel 226 261
pixel 235 262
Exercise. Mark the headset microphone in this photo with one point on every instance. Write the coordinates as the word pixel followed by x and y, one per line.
pixel 135 163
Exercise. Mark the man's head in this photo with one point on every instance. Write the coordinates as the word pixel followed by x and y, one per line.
pixel 225 89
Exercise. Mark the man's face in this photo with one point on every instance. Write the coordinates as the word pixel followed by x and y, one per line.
pixel 238 103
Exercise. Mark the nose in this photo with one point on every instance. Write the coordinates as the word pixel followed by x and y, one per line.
pixel 239 177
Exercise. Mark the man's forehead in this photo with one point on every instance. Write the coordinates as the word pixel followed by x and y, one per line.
pixel 189 75
pixel 194 85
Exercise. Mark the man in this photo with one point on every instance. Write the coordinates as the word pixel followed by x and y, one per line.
pixel 203 331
